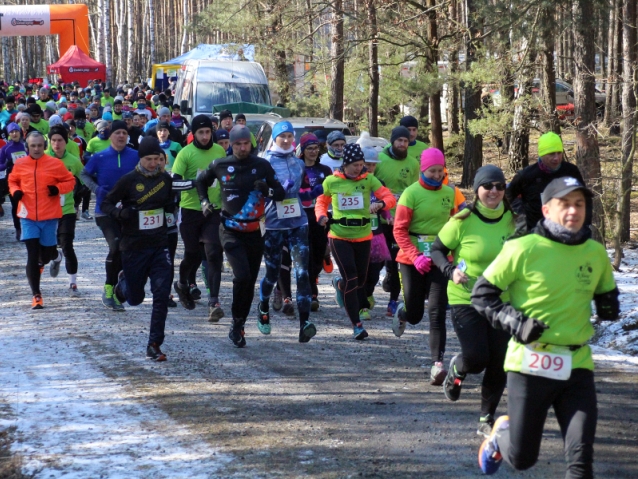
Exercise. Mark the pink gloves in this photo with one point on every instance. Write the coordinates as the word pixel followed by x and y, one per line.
pixel 423 264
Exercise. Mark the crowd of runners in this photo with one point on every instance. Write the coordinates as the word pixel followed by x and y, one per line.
pixel 517 267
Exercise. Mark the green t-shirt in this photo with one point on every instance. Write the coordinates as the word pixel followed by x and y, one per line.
pixel 189 163
pixel 87 132
pixel 116 116
pixel 42 126
pixel 430 211
pixel 554 283
pixel 476 242
pixel 95 145
pixel 72 149
pixel 350 199
pixel 416 150
pixel 107 101
pixel 74 165
pixel 397 175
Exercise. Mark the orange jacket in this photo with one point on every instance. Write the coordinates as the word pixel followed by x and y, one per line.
pixel 33 177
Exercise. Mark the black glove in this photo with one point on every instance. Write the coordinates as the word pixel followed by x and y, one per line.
pixel 607 305
pixel 207 208
pixel 262 187
pixel 18 194
pixel 53 190
pixel 128 213
pixel 530 331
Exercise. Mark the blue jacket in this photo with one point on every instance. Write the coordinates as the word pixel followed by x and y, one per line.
pixel 11 152
pixel 104 169
pixel 291 169
pixel 5 116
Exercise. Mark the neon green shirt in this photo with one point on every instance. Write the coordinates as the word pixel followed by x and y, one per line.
pixel 107 101
pixel 430 209
pixel 395 174
pixel 416 150
pixel 554 283
pixel 87 132
pixel 74 165
pixel 189 163
pixel 42 126
pixel 95 145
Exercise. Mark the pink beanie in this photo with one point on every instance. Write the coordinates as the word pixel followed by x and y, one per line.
pixel 431 157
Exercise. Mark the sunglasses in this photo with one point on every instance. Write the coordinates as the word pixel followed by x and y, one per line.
pixel 498 186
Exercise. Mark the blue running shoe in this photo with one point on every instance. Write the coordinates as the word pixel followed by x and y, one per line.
pixel 359 333
pixel 338 293
pixel 392 308
pixel 489 455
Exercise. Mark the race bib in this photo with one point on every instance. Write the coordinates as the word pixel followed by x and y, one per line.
pixel 18 154
pixel 553 362
pixel 288 208
pixel 374 222
pixel 170 220
pixel 424 243
pixel 350 202
pixel 62 200
pixel 151 219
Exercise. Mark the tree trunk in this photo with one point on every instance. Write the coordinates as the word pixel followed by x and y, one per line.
pixel 587 153
pixel 629 117
pixel 473 152
pixel 99 46
pixel 452 87
pixel 130 68
pixel 338 62
pixel 612 48
pixel 6 64
pixel 121 26
pixel 519 145
pixel 151 29
pixel 373 70
pixel 432 54
pixel 616 106
pixel 548 77
pixel 184 47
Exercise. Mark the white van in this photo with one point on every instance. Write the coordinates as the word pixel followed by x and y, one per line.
pixel 203 84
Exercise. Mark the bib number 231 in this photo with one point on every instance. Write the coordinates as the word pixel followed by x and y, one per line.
pixel 151 219
pixel 539 362
pixel 351 202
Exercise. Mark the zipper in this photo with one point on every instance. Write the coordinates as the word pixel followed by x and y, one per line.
pixel 35 180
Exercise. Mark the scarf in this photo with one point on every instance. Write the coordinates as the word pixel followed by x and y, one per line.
pixel 561 234
pixel 545 169
pixel 490 213
pixel 165 145
pixel 147 173
pixel 430 182
pixel 277 149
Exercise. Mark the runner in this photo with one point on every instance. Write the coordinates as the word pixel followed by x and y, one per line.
pixel 36 182
pixel 14 149
pixel 246 180
pixel 552 275
pixel 59 137
pixel 348 190
pixel 100 174
pixel 171 148
pixel 195 227
pixel 415 147
pixel 475 236
pixel 397 171
pixel 171 230
pixel 146 196
pixel 286 224
pixel 333 158
pixel 423 209
pixel 101 141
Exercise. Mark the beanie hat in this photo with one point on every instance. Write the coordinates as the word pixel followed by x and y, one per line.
pixel 201 121
pixel 225 114
pixel 34 108
pixel 365 140
pixel 240 116
pixel 351 153
pixel 118 125
pixel 80 114
pixel 12 127
pixel 107 116
pixel 127 115
pixel 55 120
pixel 163 111
pixel 409 121
pixel 215 120
pixel 222 134
pixel 149 146
pixel 431 157
pixel 282 127
pixel 321 135
pixel 399 132
pixel 306 140
pixel 335 136
pixel 488 174
pixel 371 155
pixel 68 116
pixel 163 125
pixel 59 130
pixel 548 143
pixel 62 111
pixel 241 132
pixel 51 106
pixel 101 125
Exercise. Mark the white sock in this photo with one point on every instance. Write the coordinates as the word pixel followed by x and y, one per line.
pixel 73 279
pixel 59 258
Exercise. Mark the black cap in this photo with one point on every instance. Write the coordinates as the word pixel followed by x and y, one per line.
pixel 201 121
pixel 240 116
pixel 560 187
pixel 409 121
pixel 222 135
pixel 34 109
pixel 118 125
pixel 149 146
pixel 225 114
pixel 163 125
pixel 352 152
pixel 488 174
pixel 59 130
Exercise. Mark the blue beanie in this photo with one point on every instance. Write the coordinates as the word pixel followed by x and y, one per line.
pixel 335 136
pixel 107 116
pixel 282 127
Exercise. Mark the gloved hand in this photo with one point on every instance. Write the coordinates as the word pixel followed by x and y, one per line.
pixel 18 194
pixel 317 191
pixel 207 208
pixel 128 212
pixel 53 190
pixel 423 264
pixel 530 331
pixel 262 187
pixel 288 185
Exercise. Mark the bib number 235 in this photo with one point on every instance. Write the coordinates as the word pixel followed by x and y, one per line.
pixel 351 202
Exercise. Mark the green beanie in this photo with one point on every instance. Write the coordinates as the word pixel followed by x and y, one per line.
pixel 548 143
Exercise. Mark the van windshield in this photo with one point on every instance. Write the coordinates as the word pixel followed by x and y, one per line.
pixel 218 93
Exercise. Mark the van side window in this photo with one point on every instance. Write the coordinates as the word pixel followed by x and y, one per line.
pixel 263 137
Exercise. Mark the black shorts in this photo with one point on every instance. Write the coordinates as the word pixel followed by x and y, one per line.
pixel 195 228
pixel 66 226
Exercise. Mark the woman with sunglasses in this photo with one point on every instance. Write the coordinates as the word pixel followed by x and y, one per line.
pixel 423 209
pixel 475 236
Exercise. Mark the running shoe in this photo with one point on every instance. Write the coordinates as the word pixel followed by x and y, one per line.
pixel 485 425
pixel 328 267
pixel 359 333
pixel 73 291
pixel 314 303
pixel 215 312
pixel 437 374
pixel 54 266
pixel 392 308
pixel 185 298
pixel 338 293
pixel 86 216
pixel 118 305
pixel 171 302
pixel 107 296
pixel 398 324
pixel 489 455
pixel 196 293
pixel 364 315
pixel 37 302
pixel 307 332
pixel 117 290
pixel 371 301
pixel 263 319
pixel 236 336
pixel 453 381
pixel 277 300
pixel 154 352
pixel 289 307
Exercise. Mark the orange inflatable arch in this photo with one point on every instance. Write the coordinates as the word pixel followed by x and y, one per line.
pixel 70 22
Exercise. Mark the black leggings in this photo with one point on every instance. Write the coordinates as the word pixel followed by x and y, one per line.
pixel 173 239
pixel 482 348
pixel 416 287
pixel 574 402
pixel 284 281
pixel 391 266
pixel 317 241
pixel 66 235
pixel 37 257
pixel 352 260
pixel 84 199
pixel 112 232
pixel 374 271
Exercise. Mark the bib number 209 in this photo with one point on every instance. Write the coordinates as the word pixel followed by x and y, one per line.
pixel 553 365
